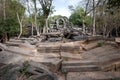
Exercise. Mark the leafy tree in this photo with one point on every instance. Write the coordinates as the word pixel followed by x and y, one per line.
pixel 77 17
pixel 46 9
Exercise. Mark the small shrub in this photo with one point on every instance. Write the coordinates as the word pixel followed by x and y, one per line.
pixel 24 68
pixel 100 44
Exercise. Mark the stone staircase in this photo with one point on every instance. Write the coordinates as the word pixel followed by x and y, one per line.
pixel 80 66
pixel 93 76
pixel 87 70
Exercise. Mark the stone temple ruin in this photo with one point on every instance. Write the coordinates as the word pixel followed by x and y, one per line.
pixel 61 28
pixel 92 58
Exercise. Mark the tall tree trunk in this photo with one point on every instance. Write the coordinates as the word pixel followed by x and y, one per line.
pixel 20 31
pixel 46 8
pixel 45 24
pixel 32 29
pixel 83 21
pixel 36 25
pixel 38 34
pixel 5 37
pixel 44 27
pixel 4 9
pixel 104 18
pixel 31 21
pixel 116 29
pixel 83 24
pixel 20 23
pixel 94 28
pixel 104 30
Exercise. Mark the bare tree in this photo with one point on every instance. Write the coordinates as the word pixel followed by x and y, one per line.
pixel 83 22
pixel 89 9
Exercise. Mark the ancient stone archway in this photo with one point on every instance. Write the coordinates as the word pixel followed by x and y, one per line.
pixel 58 22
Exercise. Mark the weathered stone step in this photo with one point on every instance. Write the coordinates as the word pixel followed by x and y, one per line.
pixel 93 76
pixel 72 47
pixel 53 64
pixel 20 51
pixel 85 68
pixel 117 39
pixel 78 63
pixel 9 57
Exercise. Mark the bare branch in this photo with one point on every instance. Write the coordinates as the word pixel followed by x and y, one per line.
pixel 94 7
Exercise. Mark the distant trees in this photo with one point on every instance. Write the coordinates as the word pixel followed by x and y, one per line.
pixel 103 14
pixel 90 8
pixel 108 16
pixel 78 17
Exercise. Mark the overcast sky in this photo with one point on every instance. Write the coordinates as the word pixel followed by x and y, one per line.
pixel 61 6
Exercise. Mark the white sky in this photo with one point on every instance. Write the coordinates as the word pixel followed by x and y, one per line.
pixel 61 6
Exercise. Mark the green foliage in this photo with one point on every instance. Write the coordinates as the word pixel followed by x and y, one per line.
pixel 24 68
pixel 46 7
pixel 12 6
pixel 100 44
pixel 9 26
pixel 88 20
pixel 77 17
pixel 40 20
pixel 114 3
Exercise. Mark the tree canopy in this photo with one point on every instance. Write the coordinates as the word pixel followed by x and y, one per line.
pixel 77 16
